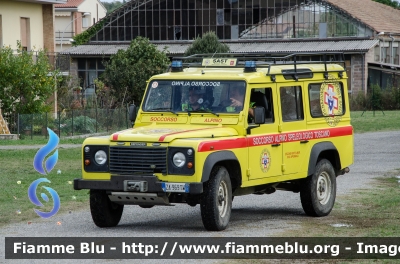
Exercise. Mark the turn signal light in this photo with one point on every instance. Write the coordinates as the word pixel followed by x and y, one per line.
pixel 190 165
pixel 87 162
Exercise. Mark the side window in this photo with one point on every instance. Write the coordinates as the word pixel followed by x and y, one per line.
pixel 262 97
pixel 291 103
pixel 326 99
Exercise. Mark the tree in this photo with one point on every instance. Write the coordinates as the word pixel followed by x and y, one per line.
pixel 112 6
pixel 209 43
pixel 391 3
pixel 128 70
pixel 25 82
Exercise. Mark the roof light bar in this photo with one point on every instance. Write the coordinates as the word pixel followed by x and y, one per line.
pixel 176 66
pixel 250 66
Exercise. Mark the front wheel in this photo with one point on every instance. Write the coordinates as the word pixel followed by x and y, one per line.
pixel 216 202
pixel 104 212
pixel 319 190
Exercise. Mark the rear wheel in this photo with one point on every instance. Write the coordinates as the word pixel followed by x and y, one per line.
pixel 104 212
pixel 319 190
pixel 216 202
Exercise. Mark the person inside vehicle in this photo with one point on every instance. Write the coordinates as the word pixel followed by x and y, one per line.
pixel 195 101
pixel 237 99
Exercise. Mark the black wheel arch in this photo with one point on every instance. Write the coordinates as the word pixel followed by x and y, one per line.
pixel 227 159
pixel 324 150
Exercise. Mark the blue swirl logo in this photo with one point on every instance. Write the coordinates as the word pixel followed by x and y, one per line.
pixel 34 199
pixel 49 164
pixel 44 151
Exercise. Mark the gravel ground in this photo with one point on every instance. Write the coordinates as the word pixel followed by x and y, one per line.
pixel 266 215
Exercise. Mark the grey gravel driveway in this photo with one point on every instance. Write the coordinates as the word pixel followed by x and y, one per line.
pixel 252 215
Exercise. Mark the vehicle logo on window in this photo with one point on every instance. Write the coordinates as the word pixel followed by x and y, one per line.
pixel 331 101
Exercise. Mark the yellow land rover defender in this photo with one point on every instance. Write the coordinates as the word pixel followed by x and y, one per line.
pixel 218 127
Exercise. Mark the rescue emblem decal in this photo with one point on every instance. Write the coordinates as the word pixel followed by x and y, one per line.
pixel 331 101
pixel 265 160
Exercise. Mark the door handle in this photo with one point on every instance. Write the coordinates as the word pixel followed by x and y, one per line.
pixel 303 141
pixel 276 145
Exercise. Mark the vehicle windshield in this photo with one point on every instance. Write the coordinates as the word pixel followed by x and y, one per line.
pixel 195 96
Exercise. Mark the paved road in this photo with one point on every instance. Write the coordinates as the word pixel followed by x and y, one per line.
pixel 266 215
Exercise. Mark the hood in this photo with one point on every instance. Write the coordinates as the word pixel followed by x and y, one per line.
pixel 168 134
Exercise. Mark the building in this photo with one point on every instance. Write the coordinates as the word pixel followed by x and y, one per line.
pixel 30 21
pixel 366 32
pixel 74 17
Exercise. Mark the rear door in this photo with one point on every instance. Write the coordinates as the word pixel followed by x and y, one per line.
pixel 293 128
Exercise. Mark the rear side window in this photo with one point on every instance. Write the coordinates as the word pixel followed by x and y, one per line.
pixel 291 103
pixel 326 99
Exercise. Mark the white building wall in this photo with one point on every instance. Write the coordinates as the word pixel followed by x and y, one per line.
pixel 11 13
pixel 95 8
pixel 63 22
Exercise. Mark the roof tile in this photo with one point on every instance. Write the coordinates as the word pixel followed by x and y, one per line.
pixel 69 4
pixel 379 17
pixel 268 47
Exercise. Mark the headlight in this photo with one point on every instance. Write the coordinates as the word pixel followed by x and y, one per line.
pixel 100 157
pixel 179 159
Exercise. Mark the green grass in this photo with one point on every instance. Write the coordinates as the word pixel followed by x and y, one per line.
pixel 378 121
pixel 39 140
pixel 17 173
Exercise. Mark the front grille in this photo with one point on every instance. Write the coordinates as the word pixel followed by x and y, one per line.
pixel 128 160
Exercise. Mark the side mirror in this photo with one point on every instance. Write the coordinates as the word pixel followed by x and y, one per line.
pixel 132 113
pixel 259 115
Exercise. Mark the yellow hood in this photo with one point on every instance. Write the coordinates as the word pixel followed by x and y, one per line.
pixel 168 134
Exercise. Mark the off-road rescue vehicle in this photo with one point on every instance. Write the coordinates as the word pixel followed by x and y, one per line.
pixel 218 127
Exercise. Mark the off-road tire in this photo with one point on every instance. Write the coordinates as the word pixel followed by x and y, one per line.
pixel 104 212
pixel 318 192
pixel 216 202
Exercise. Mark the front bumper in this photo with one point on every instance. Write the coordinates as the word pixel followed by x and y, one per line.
pixel 117 184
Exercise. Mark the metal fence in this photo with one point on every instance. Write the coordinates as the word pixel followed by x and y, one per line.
pixel 69 123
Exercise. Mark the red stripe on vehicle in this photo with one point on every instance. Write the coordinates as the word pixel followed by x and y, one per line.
pixel 222 144
pixel 115 136
pixel 184 131
pixel 268 139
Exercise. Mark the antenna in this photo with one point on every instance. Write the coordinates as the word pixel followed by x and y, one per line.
pixel 202 71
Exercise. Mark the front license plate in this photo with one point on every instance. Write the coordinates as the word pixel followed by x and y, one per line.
pixel 175 187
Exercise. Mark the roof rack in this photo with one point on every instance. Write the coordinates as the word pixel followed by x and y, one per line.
pixel 268 61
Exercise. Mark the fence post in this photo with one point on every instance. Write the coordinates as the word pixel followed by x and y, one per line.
pixel 47 124
pixel 18 125
pixel 96 119
pixel 59 124
pixel 32 126
pixel 126 117
pixel 72 112
pixel 84 119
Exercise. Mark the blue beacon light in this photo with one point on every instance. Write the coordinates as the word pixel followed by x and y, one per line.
pixel 250 66
pixel 176 66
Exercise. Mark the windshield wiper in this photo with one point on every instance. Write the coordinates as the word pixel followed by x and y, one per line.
pixel 202 111
pixel 163 108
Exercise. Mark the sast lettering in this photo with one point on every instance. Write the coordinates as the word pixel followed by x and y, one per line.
pixel 163 119
pixel 219 60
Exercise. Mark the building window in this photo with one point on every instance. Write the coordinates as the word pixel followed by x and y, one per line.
pixel 89 70
pixel 232 19
pixel 25 34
